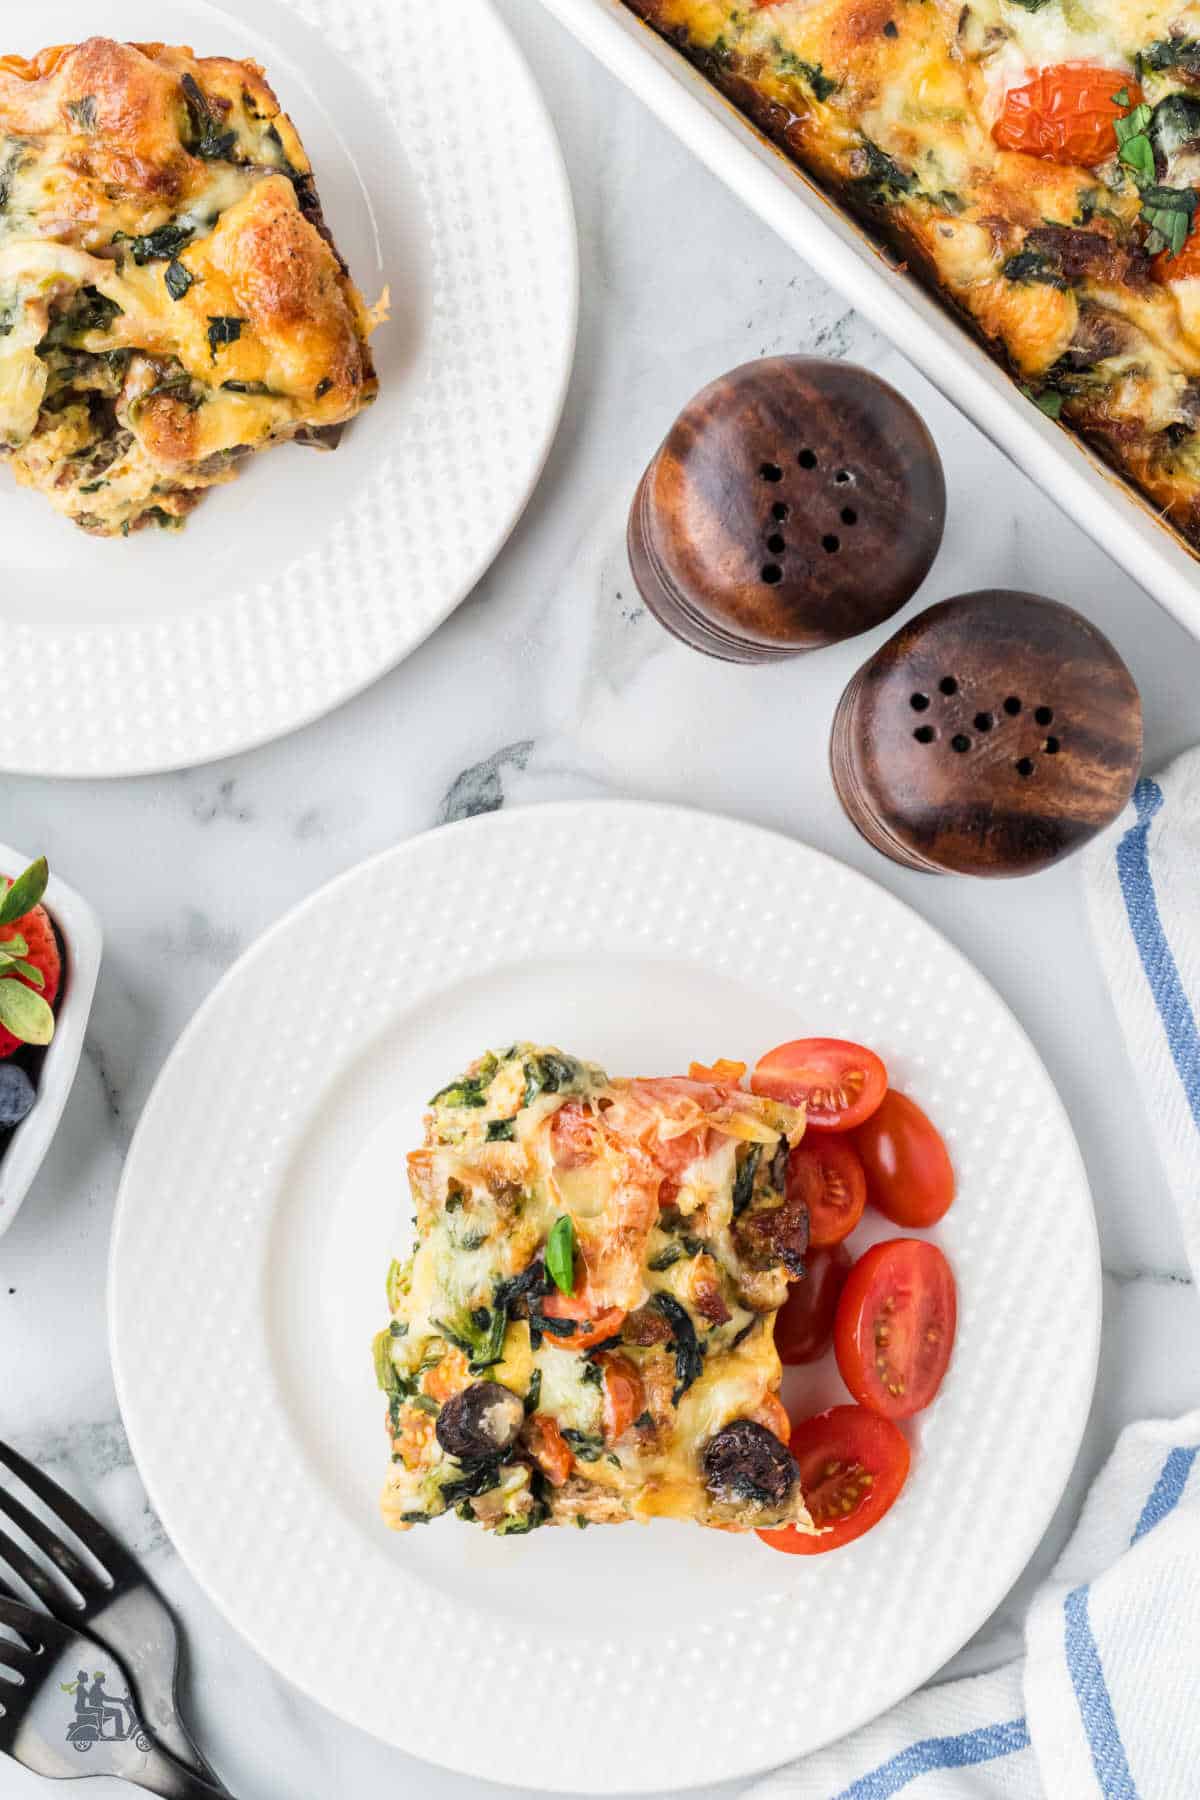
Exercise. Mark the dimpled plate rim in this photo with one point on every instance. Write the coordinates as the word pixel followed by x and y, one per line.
pixel 478 378
pixel 189 1336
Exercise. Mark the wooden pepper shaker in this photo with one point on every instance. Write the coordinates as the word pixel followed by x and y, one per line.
pixel 992 735
pixel 795 502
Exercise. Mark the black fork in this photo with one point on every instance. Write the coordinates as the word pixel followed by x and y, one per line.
pixel 52 1722
pixel 120 1608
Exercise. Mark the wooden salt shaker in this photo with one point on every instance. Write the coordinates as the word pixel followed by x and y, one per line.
pixel 795 502
pixel 992 735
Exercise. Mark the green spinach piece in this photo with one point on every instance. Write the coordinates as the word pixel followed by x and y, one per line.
pixel 222 332
pixel 560 1254
pixel 689 1357
pixel 743 1184
pixel 162 245
pixel 1031 265
pixel 178 279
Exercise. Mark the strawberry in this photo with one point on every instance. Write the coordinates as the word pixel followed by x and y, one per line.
pixel 30 964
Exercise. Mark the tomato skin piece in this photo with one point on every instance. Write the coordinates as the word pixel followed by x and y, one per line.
pixel 840 1083
pixel 1165 268
pixel 1066 114
pixel 826 1172
pixel 549 1448
pixel 581 1310
pixel 804 1323
pixel 722 1071
pixel 624 1395
pixel 845 1454
pixel 909 1175
pixel 895 1325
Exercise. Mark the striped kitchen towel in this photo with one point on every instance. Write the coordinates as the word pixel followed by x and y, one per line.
pixel 1106 1699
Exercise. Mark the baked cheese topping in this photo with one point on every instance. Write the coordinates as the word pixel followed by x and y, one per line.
pixel 584 1334
pixel 1074 271
pixel 170 298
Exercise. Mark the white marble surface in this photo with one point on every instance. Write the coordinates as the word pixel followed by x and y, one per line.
pixel 551 681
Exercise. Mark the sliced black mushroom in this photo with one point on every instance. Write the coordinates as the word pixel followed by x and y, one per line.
pixel 481 1423
pixel 746 1462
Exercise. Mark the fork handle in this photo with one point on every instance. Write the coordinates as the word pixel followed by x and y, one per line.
pixel 169 1779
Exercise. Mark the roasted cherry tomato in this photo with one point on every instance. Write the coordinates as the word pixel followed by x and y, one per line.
pixel 894 1329
pixel 1184 267
pixel 840 1083
pixel 853 1465
pixel 624 1396
pixel 1066 114
pixel 591 1326
pixel 549 1448
pixel 909 1174
pixel 804 1323
pixel 826 1173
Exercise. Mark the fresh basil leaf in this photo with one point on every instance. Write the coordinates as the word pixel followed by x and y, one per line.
pixel 25 892
pixel 560 1254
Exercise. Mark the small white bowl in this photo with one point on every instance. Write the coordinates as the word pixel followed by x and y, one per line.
pixel 79 928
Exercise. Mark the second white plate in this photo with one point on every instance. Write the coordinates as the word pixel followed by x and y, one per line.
pixel 265 1192
pixel 312 575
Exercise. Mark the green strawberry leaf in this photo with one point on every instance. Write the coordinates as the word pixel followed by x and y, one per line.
pixel 25 1013
pixel 30 972
pixel 13 947
pixel 25 892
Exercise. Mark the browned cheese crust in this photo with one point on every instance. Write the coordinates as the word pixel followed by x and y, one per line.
pixel 171 300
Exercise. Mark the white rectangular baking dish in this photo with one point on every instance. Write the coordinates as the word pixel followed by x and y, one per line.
pixel 833 244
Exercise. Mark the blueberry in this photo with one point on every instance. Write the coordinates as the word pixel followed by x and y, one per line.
pixel 17 1095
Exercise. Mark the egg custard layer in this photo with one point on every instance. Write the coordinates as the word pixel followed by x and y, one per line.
pixel 584 1333
pixel 1037 161
pixel 171 300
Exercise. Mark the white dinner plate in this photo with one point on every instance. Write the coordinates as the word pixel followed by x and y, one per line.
pixel 265 1192
pixel 312 574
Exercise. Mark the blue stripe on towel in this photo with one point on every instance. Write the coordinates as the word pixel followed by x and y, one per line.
pixel 931 1754
pixel 1095 1702
pixel 1141 904
pixel 1167 1490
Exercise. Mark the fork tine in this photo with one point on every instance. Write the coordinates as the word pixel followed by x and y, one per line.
pixel 23 1566
pixel 104 1547
pixel 29 1625
pixel 63 1558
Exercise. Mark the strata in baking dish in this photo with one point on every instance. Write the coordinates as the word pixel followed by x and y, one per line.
pixel 171 300
pixel 585 1333
pixel 1034 161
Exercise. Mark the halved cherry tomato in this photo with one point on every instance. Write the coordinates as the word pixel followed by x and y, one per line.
pixel 910 1177
pixel 1066 114
pixel 804 1323
pixel 853 1465
pixel 840 1083
pixel 1185 267
pixel 722 1070
pixel 592 1327
pixel 894 1329
pixel 826 1173
pixel 549 1448
pixel 624 1395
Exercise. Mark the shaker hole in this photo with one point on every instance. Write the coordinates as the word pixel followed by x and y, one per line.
pixel 1044 715
pixel 960 742
pixel 1025 767
pixel 830 544
pixel 947 685
pixel 776 544
pixel 771 472
pixel 842 477
pixel 924 734
pixel 984 721
pixel 919 702
pixel 1012 706
pixel 1051 746
pixel 781 511
pixel 807 459
pixel 772 574
pixel 849 516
